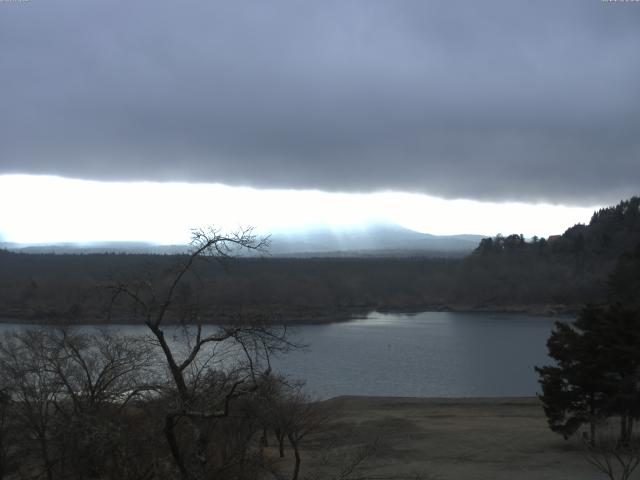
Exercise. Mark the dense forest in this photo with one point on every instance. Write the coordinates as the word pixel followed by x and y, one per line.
pixel 507 273
pixel 564 270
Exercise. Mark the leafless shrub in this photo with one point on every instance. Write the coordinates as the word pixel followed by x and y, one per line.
pixel 612 457
pixel 66 396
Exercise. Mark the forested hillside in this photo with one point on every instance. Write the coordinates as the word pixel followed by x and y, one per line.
pixel 564 270
pixel 503 273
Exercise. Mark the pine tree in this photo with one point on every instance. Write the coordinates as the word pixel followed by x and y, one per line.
pixel 597 371
pixel 572 393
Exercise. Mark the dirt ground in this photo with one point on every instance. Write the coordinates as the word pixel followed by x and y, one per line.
pixel 461 439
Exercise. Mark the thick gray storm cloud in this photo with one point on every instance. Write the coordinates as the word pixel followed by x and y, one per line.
pixel 496 100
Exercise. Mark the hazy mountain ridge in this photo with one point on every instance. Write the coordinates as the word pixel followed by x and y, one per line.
pixel 380 239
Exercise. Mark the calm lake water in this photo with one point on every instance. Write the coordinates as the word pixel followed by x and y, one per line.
pixel 430 354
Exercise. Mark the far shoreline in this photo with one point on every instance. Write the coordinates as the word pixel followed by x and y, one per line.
pixel 290 319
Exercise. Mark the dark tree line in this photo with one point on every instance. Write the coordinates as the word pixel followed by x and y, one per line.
pixel 510 273
pixel 611 232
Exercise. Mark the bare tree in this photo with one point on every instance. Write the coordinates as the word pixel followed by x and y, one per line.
pixel 102 368
pixel 66 398
pixel 612 457
pixel 204 381
pixel 5 403
pixel 271 404
pixel 102 374
pixel 34 388
pixel 291 415
pixel 306 417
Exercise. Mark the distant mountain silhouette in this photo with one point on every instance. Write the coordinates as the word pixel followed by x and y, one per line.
pixel 378 239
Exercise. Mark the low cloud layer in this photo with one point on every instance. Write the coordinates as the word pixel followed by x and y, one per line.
pixel 492 100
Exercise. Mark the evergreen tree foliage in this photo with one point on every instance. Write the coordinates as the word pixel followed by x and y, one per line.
pixel 572 393
pixel 624 282
pixel 597 371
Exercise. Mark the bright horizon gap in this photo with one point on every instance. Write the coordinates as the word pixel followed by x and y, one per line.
pixel 37 209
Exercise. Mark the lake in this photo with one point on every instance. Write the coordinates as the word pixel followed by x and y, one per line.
pixel 429 354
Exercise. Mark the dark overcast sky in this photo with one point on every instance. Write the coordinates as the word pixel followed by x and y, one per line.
pixel 490 100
